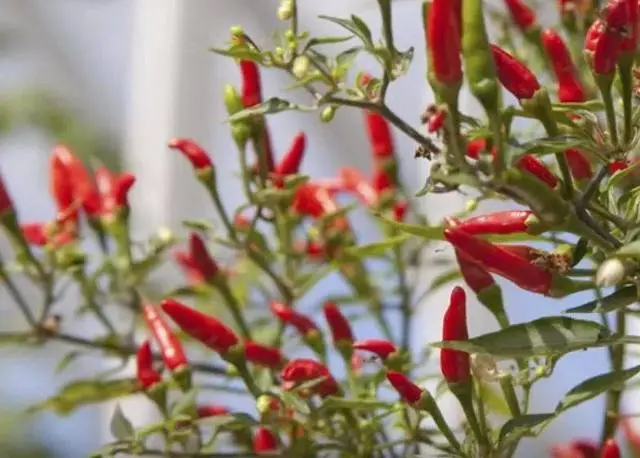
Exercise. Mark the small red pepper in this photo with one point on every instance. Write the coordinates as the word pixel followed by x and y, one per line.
pixel 503 222
pixel 83 186
pixel 576 449
pixel 381 181
pixel 114 191
pixel 198 157
pixel 305 370
pixel 211 410
pixel 264 441
pixel 379 133
pixel 251 83
pixel 290 163
pixel 436 121
pixel 522 15
pixel 408 391
pixel 170 347
pixel 514 75
pixel 454 364
pixel 41 234
pixel 478 146
pixel 474 276
pixel 62 189
pixel 262 354
pixel 146 375
pixel 570 88
pixel 501 261
pixel 400 210
pixel 354 181
pixel 602 47
pixel 6 203
pixel 338 324
pixel 203 263
pixel 443 39
pixel 382 348
pixel 315 200
pixel 204 328
pixel 578 164
pixel 610 449
pixel 303 324
pixel 531 164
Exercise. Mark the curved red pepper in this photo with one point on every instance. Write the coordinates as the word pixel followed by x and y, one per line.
pixel 305 370
pixel 382 348
pixel 338 324
pixel 379 134
pixel 514 75
pixel 455 365
pixel 531 164
pixel 409 391
pixel 290 163
pixel 146 375
pixel 303 324
pixel 262 354
pixel 570 89
pixel 62 188
pixel 114 190
pixel 198 157
pixel 170 347
pixel 83 186
pixel 211 410
pixel 474 276
pixel 522 15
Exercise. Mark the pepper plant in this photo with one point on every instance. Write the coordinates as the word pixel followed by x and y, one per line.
pixel 571 180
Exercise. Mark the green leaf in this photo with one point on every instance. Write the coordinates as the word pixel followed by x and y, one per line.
pixel 517 427
pixel 359 28
pixel 293 400
pixel 270 106
pixel 333 403
pixel 199 225
pixel 185 404
pixel 427 232
pixel 444 278
pixel 66 360
pixel 120 427
pixel 580 251
pixel 595 386
pixel 542 337
pixel 376 249
pixel 589 105
pixel 317 41
pixel 242 51
pixel 617 300
pixel 630 250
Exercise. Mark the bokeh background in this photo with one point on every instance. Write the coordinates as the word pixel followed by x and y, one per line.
pixel 116 79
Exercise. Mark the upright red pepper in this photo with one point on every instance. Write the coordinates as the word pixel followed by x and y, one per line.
pixel 514 75
pixel 146 375
pixel 400 210
pixel 379 133
pixel 454 364
pixel 82 184
pixel 198 157
pixel 354 181
pixel 338 324
pixel 578 164
pixel 303 370
pixel 610 449
pixel 381 181
pixel 170 347
pixel 62 189
pixel 202 260
pixel 570 88
pixel 382 348
pixel 264 441
pixel 204 328
pixel 531 164
pixel 262 354
pixel 290 163
pixel 409 391
pixel 522 15
pixel 114 191
pixel 602 47
pixel 443 38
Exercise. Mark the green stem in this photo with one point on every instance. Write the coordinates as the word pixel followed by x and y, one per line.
pixel 506 383
pixel 234 307
pixel 552 130
pixel 87 292
pixel 15 293
pixel 607 98
pixel 467 406
pixel 624 70
pixel 614 396
pixel 495 125
pixel 443 426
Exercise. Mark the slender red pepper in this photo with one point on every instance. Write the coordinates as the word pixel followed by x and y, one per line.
pixel 354 181
pixel 114 191
pixel 312 199
pixel 202 261
pixel 514 75
pixel 264 441
pixel 443 38
pixel 503 222
pixel 381 181
pixel 170 347
pixel 198 157
pixel 436 121
pixel 303 324
pixel 602 47
pixel 576 449
pixel 478 146
pixel 454 364
pixel 473 274
pixel 211 410
pixel 303 370
pixel 531 164
pixel 501 261
pixel 408 391
pixel 522 15
pixel 290 163
pixel 578 164
pixel 570 88
pixel 62 189
pixel 83 186
pixel 204 328
pixel 338 324
pixel 41 234
pixel 379 133
pixel 382 348
pixel 262 354
pixel 146 375
pixel 610 449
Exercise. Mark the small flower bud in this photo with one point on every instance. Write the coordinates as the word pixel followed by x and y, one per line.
pixel 264 403
pixel 610 273
pixel 285 10
pixel 165 235
pixel 471 205
pixel 300 66
pixel 328 113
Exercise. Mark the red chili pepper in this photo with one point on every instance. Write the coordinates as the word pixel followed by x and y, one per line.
pixel 602 47
pixel 578 164
pixel 251 84
pixel 305 370
pixel 630 43
pixel 114 191
pixel 204 328
pixel 170 347
pixel 522 15
pixel 531 164
pixel 62 191
pixel 501 261
pixel 443 39
pixel 354 181
pixel 198 157
pixel 478 146
pixel 40 234
pixel 436 121
pixel 262 354
pixel 313 200
pixel 617 13
pixel 473 274
pixel 338 324
pixel 379 133
pixel 202 261
pixel 454 364
pixel 503 222
pixel 6 204
pixel 381 181
pixel 610 449
pixel 616 166
pixel 400 210
pixel 514 75
pixel 409 391
pixel 382 348
pixel 315 251
pixel 264 441
pixel 570 89
pixel 576 449
pixel 631 435
pixel 290 163
pixel 211 410
pixel 303 324
pixel 83 186
pixel 146 375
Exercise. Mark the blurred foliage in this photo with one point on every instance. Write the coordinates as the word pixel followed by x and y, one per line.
pixel 16 439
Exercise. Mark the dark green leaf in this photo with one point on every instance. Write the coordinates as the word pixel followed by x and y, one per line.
pixel 579 251
pixel 543 337
pixel 184 291
pixel 516 428
pixel 270 106
pixel 361 32
pixel 427 232
pixel 377 249
pixel 631 250
pixel 317 41
pixel 362 27
pixel 185 404
pixel 594 386
pixel 120 427
pixel 617 300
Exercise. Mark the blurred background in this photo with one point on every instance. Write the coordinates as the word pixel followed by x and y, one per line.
pixel 116 80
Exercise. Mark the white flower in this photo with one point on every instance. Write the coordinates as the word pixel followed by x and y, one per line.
pixel 610 273
pixel 485 367
pixel 285 10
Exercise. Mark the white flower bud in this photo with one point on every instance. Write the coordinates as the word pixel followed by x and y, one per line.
pixel 285 10
pixel 485 367
pixel 300 66
pixel 165 235
pixel 610 273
